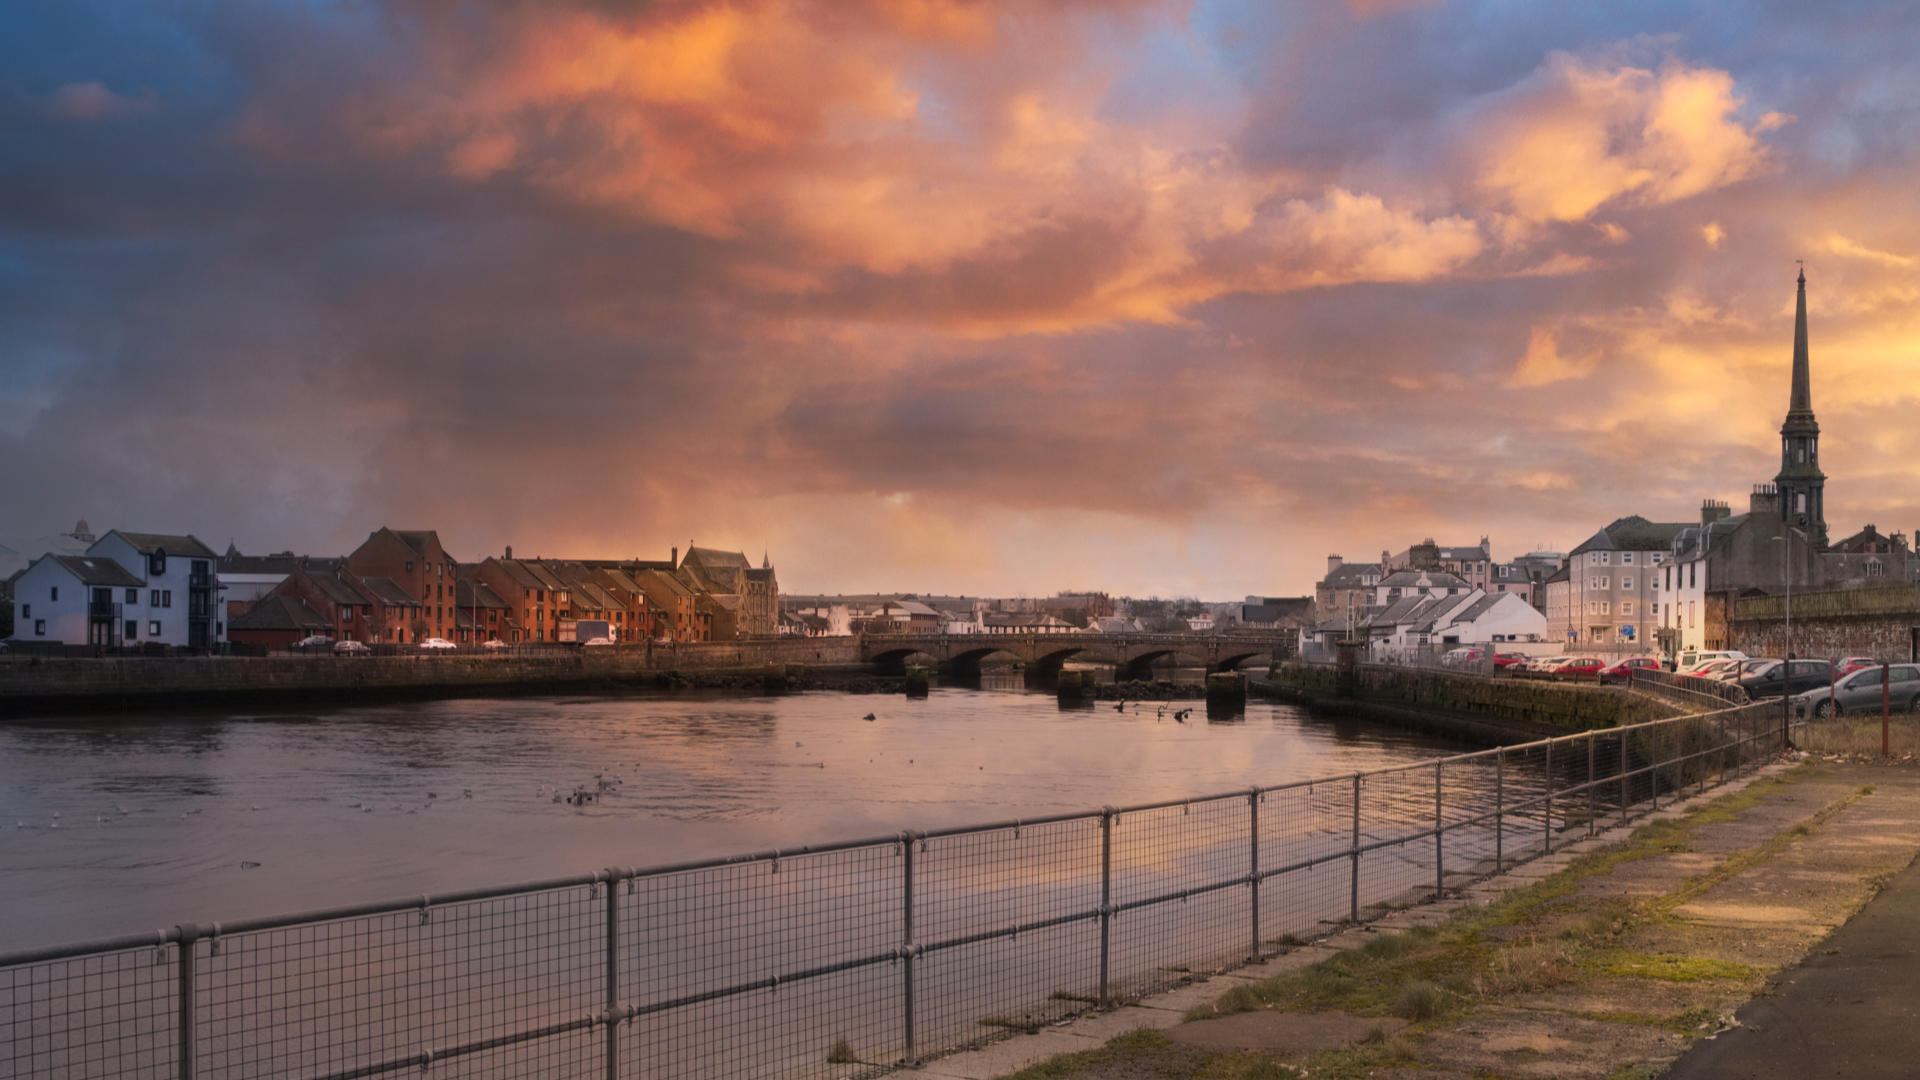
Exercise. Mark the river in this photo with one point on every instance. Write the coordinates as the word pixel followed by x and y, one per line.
pixel 122 824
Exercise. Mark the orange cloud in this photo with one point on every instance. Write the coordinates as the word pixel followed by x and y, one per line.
pixel 1579 135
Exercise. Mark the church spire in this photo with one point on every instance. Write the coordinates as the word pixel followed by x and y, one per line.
pixel 1801 400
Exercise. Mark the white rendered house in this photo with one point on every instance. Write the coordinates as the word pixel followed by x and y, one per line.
pixel 78 600
pixel 182 592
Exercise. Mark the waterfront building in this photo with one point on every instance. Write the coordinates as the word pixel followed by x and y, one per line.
pixel 1613 584
pixel 415 562
pixel 1347 588
pixel 81 600
pixel 182 606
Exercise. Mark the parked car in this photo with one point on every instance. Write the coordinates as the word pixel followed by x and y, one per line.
pixel 1743 668
pixel 1693 660
pixel 1847 665
pixel 1713 669
pixel 1580 665
pixel 1618 672
pixel 494 643
pixel 1860 692
pixel 350 648
pixel 438 643
pixel 1786 677
pixel 313 641
pixel 598 642
pixel 1506 660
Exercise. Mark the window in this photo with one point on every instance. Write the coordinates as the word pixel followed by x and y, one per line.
pixel 1626 558
pixel 1873 568
pixel 1626 583
pixel 409 567
pixel 39 628
pixel 26 611
pixel 1606 557
pixel 1606 607
pixel 56 594
pixel 133 597
pixel 1658 558
pixel 153 598
pixel 156 562
pixel 133 629
pixel 1626 607
pixel 153 628
pixel 346 613
pixel 159 598
pixel 1693 575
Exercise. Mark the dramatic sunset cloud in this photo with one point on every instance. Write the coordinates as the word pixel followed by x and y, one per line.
pixel 947 294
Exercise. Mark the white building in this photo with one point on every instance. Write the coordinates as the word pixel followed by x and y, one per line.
pixel 79 600
pixel 181 605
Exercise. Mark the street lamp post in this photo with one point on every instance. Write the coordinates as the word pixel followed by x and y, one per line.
pixel 1786 661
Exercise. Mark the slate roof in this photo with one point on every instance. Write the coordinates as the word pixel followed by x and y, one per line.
pixel 1635 533
pixel 418 539
pixel 756 573
pixel 1478 608
pixel 591 597
pixel 1695 541
pixel 280 613
pixel 716 558
pixel 1423 579
pixel 338 588
pixel 388 591
pixel 97 570
pixel 283 563
pixel 469 593
pixel 1350 575
pixel 148 543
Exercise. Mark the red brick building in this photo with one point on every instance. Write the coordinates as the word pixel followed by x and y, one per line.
pixel 420 568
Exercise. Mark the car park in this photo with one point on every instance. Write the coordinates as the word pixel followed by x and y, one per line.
pixel 1625 669
pixel 1864 691
pixel 438 644
pixel 351 648
pixel 1788 677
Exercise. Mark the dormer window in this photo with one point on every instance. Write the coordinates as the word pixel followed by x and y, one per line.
pixel 156 562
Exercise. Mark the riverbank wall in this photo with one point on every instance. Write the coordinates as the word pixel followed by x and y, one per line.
pixel 1484 709
pixel 40 685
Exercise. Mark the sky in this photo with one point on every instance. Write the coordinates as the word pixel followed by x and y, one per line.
pixel 949 295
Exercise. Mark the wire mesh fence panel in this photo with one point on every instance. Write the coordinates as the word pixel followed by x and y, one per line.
pixel 1304 903
pixel 331 997
pixel 780 939
pixel 1303 822
pixel 842 1024
pixel 1008 919
pixel 1179 873
pixel 107 1015
pixel 986 989
pixel 1471 790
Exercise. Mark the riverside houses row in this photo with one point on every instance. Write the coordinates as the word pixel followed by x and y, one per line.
pixel 398 586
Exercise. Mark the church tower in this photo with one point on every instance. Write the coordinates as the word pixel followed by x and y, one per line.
pixel 1801 484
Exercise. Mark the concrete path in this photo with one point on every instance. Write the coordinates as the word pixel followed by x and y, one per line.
pixel 1851 1010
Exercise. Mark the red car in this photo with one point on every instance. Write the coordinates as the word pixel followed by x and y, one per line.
pixel 1582 665
pixel 1618 672
pixel 1847 665
pixel 1504 660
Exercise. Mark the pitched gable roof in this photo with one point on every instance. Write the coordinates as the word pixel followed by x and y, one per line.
pixel 388 591
pixel 148 543
pixel 1635 533
pixel 97 570
pixel 716 558
pixel 280 613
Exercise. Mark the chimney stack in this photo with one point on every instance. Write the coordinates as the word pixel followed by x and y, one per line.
pixel 509 553
pixel 1333 563
pixel 673 556
pixel 1712 510
pixel 1764 500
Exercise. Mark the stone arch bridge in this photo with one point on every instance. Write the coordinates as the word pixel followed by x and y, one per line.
pixel 1131 654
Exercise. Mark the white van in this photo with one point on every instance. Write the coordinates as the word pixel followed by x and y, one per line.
pixel 1694 659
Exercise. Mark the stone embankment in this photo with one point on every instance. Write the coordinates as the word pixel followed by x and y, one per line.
pixel 1478 707
pixel 34 685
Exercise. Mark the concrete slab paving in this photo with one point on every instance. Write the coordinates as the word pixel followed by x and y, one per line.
pixel 1102 1026
pixel 1007 1056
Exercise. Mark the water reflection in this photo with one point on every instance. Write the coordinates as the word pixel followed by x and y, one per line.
pixel 118 825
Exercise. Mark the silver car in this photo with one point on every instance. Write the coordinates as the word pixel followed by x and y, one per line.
pixel 1860 693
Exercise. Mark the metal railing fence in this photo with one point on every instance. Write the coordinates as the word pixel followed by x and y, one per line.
pixel 837 960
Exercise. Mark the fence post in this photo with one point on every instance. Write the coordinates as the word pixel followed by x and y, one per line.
pixel 1621 767
pixel 1439 844
pixel 1499 808
pixel 1106 896
pixel 906 936
pixel 1593 794
pixel 1253 866
pixel 1353 894
pixel 613 975
pixel 1547 818
pixel 188 934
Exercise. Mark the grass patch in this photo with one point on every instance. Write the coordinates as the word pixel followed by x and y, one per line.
pixel 841 1053
pixel 1419 1001
pixel 1024 1026
pixel 1674 968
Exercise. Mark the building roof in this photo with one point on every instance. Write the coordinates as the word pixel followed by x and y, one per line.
pixel 418 539
pixel 588 596
pixel 1635 533
pixel 1275 608
pixel 334 582
pixel 1350 575
pixel 388 591
pixel 281 612
pixel 96 570
pixel 1423 579
pixel 1479 607
pixel 759 573
pixel 148 543
pixel 282 563
pixel 662 579
pixel 714 557
pixel 470 593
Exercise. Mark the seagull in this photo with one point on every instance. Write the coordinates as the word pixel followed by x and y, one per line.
pixel 868 717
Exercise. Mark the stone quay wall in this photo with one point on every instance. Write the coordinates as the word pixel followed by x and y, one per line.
pixel 1882 622
pixel 35 684
pixel 1536 702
